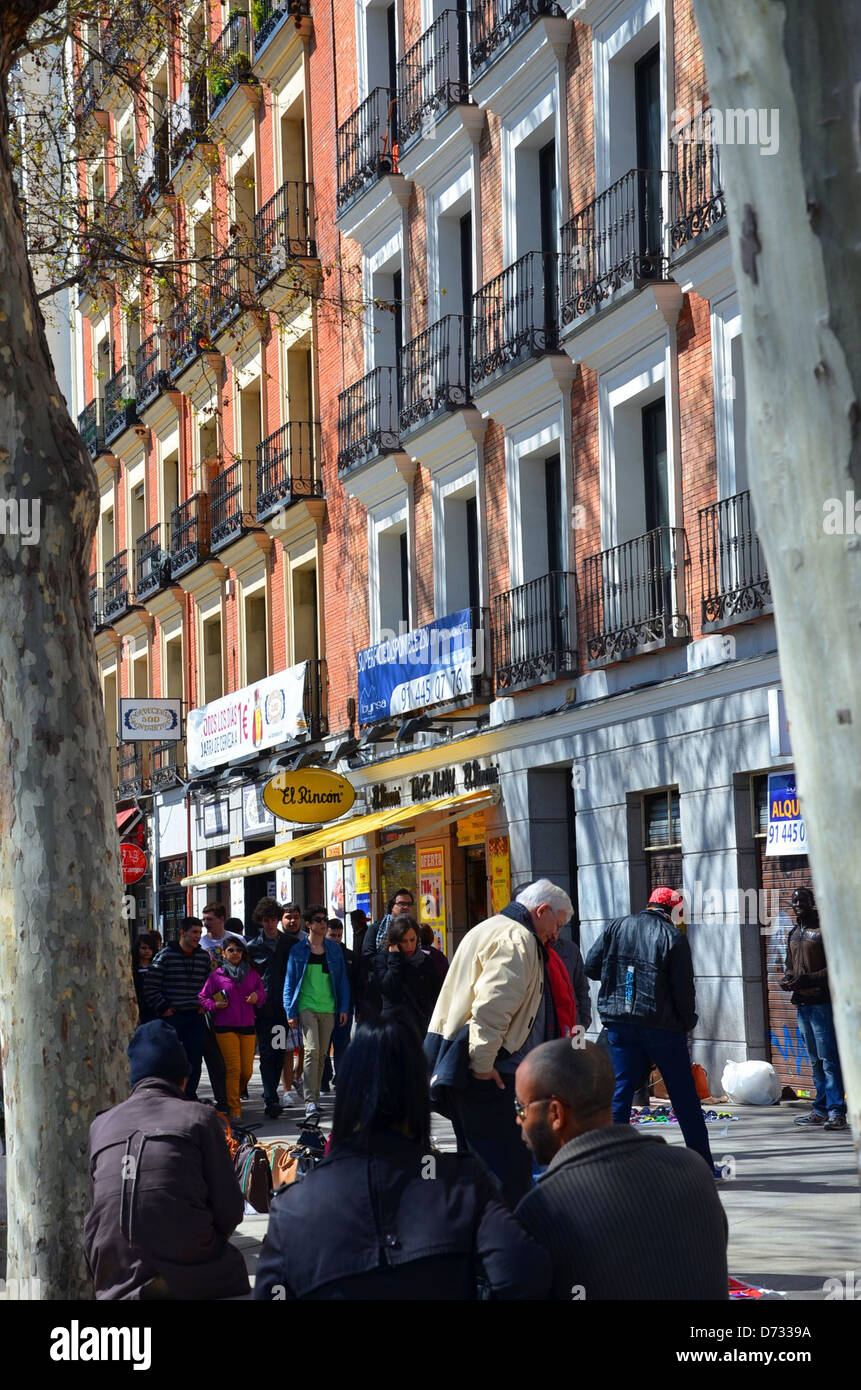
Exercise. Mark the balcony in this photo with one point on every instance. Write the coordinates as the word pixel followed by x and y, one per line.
pixel 368 419
pixel 630 595
pixel 152 567
pixel 188 120
pixel 152 173
pixel 167 768
pixel 700 204
pixel 230 498
pixel 315 698
pixel 269 15
pixel 91 428
pixel 435 372
pixel 88 87
pixel 433 76
pixel 498 24
pixel 288 467
pixel 130 772
pixel 230 60
pixel 120 405
pixel 735 582
pixel 515 317
pixel 367 146
pixel 95 603
pixel 283 231
pixel 189 331
pixel 230 289
pixel 151 375
pixel 117 594
pixel 533 632
pixel 615 241
pixel 189 534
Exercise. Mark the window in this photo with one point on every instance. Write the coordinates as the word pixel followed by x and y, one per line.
pixel 137 514
pixel 256 657
pixel 170 483
pixel 213 682
pixel 662 839
pixel 647 100
pixel 108 539
pixel 109 691
pixel 460 521
pixel 541 515
pixel 394 577
pixel 305 638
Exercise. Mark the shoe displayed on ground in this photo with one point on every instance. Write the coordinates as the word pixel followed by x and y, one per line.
pixel 811 1121
pixel 836 1121
pixel 272 1112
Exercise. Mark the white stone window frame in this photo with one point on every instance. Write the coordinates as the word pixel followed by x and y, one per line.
pixel 726 327
pixel 543 435
pixel 439 201
pixel 458 477
pixel 172 629
pixel 251 584
pixel 381 253
pixel 208 606
pixel 539 107
pixel 135 478
pixel 637 378
pixel 380 520
pixel 621 29
pixel 167 444
pixel 107 503
pixel 361 9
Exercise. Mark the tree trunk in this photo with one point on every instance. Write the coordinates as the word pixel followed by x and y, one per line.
pixel 66 1002
pixel 794 224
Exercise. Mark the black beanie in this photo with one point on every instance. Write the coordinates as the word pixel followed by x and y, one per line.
pixel 155 1050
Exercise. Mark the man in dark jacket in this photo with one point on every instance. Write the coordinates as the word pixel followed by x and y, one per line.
pixel 172 984
pixel 368 1002
pixel 269 953
pixel 165 1199
pixel 624 1215
pixel 806 975
pixel 647 1004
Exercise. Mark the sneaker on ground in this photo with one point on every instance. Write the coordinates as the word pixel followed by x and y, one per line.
pixel 312 1109
pixel 811 1121
pixel 836 1121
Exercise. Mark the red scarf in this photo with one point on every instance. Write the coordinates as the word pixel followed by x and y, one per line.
pixel 562 992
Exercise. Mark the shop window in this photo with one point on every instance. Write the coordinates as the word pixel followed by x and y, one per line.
pixel 662 839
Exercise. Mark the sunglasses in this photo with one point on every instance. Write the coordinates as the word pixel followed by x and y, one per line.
pixel 521 1107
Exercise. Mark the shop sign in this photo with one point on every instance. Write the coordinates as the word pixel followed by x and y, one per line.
pixel 310 796
pixel 427 666
pixel 443 782
pixel 255 815
pixel 383 798
pixel 499 868
pixel 363 883
pixel 133 861
pixel 258 716
pixel 786 832
pixel 431 866
pixel 150 721
pixel 470 829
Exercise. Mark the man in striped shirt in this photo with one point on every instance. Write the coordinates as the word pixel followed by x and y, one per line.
pixel 171 986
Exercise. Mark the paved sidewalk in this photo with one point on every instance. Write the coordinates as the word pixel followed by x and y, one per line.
pixel 793 1206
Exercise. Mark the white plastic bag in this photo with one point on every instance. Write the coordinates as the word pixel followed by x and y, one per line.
pixel 750 1083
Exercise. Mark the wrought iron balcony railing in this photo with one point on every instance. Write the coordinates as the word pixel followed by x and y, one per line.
pixel 433 75
pixel 188 119
pixel 91 427
pixel 120 404
pixel 368 418
pixel 615 240
pixel 283 231
pixel 734 577
pixel 95 602
pixel 130 772
pixel 269 15
pixel 698 186
pixel 189 332
pixel 288 466
pixel 497 24
pixel 152 172
pixel 167 766
pixel 120 211
pixel 117 598
pixel 230 504
pixel 230 60
pixel 316 698
pixel 89 86
pixel 152 565
pixel 151 376
pixel 189 534
pixel 367 145
pixel 515 316
pixel 533 632
pixel 630 595
pixel 230 288
pixel 435 372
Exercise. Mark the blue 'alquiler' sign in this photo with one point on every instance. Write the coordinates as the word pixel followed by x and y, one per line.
pixel 423 667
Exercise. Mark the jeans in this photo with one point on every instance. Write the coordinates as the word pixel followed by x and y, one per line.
pixel 816 1022
pixel 271 1057
pixel 340 1041
pixel 632 1048
pixel 485 1124
pixel 237 1049
pixel 316 1035
pixel 190 1028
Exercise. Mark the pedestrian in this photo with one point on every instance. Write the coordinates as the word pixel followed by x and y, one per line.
pixel 316 994
pixel 368 1001
pixel 341 1031
pixel 806 975
pixel 231 994
pixel 496 1004
pixel 435 1217
pixel 428 944
pixel 143 954
pixel 406 977
pixel 212 942
pixel 164 1195
pixel 236 927
pixel 214 931
pixel 569 953
pixel 290 925
pixel 269 953
pixel 624 1214
pixel 647 1003
pixel 172 987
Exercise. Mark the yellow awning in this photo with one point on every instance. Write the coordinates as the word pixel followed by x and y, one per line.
pixel 278 856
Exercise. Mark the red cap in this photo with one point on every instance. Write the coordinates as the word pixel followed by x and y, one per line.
pixel 666 897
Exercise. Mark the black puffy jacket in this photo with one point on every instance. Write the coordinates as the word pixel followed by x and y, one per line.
pixel 395 1222
pixel 409 990
pixel 662 993
pixel 272 968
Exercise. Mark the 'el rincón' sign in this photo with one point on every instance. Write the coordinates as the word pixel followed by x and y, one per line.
pixel 310 796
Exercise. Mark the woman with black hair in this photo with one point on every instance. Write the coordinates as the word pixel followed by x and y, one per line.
pixel 144 949
pixel 385 1217
pixel 406 976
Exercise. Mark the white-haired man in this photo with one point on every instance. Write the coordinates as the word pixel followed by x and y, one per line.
pixel 495 1005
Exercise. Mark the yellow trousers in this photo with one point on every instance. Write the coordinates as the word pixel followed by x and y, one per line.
pixel 237 1049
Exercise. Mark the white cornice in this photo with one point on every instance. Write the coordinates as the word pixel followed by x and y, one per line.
pixel 509 80
pixel 448 142
pixel 377 206
pixel 451 437
pixel 517 395
pixel 708 270
pixel 381 480
pixel 622 329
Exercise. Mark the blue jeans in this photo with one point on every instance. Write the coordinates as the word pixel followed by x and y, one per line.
pixel 816 1022
pixel 632 1048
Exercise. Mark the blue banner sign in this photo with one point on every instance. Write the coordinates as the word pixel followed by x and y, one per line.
pixel 427 666
pixel 786 832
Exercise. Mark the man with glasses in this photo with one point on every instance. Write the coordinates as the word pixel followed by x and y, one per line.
pixel 368 1001
pixel 316 996
pixel 624 1214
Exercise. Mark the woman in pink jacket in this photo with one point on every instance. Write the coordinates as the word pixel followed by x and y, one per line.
pixel 231 994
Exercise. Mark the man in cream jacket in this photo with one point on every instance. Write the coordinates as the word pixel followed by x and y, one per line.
pixel 495 1007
